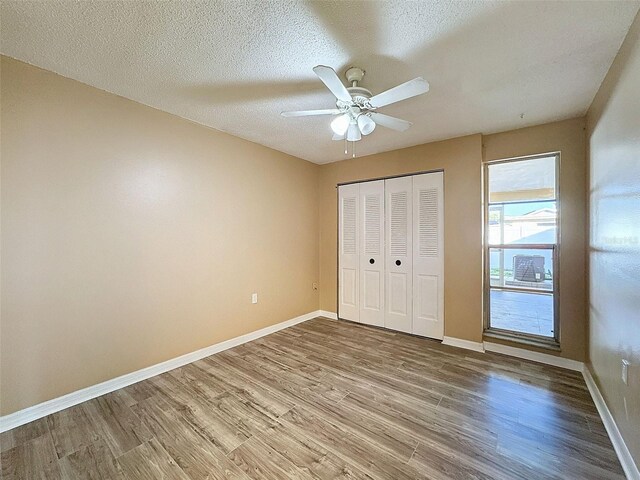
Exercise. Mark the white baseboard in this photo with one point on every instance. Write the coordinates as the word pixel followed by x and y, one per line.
pixel 461 343
pixel 43 409
pixel 534 356
pixel 331 315
pixel 626 460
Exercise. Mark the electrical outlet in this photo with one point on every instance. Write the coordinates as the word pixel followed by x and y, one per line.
pixel 254 298
pixel 314 285
pixel 625 371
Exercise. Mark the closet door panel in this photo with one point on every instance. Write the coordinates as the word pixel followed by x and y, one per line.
pixel 372 253
pixel 398 254
pixel 348 253
pixel 428 255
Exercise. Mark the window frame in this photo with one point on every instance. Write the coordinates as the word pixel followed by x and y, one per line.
pixel 552 343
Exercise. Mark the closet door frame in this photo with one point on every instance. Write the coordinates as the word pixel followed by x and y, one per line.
pixel 338 185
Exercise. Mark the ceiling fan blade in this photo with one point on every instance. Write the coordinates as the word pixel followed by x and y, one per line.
pixel 337 137
pixel 306 113
pixel 409 89
pixel 390 122
pixel 330 78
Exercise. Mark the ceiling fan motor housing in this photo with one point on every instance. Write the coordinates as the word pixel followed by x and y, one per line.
pixel 359 92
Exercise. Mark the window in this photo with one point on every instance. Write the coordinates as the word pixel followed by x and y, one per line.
pixel 521 248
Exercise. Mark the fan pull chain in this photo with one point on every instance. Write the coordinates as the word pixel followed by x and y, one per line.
pixel 346 148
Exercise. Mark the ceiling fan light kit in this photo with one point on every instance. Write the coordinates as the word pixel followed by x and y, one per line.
pixel 365 124
pixel 353 132
pixel 340 124
pixel 357 107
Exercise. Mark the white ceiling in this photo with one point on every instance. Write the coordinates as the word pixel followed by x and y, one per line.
pixel 235 65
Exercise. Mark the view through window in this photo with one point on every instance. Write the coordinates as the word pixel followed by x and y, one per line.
pixel 521 246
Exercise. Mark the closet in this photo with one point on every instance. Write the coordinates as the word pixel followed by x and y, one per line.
pixel 391 253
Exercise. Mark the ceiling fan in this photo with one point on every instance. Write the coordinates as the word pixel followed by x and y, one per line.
pixel 357 107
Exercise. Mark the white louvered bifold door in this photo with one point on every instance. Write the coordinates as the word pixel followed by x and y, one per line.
pixel 428 255
pixel 372 253
pixel 398 254
pixel 348 261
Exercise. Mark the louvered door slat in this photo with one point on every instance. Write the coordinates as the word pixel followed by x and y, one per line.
pixel 372 223
pixel 428 222
pixel 399 223
pixel 349 226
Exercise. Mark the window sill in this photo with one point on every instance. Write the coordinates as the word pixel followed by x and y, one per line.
pixel 548 344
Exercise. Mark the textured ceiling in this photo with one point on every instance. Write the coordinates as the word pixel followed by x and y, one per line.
pixel 235 65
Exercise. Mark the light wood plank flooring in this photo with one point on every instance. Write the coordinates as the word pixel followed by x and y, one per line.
pixel 327 399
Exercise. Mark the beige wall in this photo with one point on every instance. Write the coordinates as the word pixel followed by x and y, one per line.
pixel 461 159
pixel 567 137
pixel 614 240
pixel 131 236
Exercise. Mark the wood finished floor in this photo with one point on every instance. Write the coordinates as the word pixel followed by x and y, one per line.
pixel 327 399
